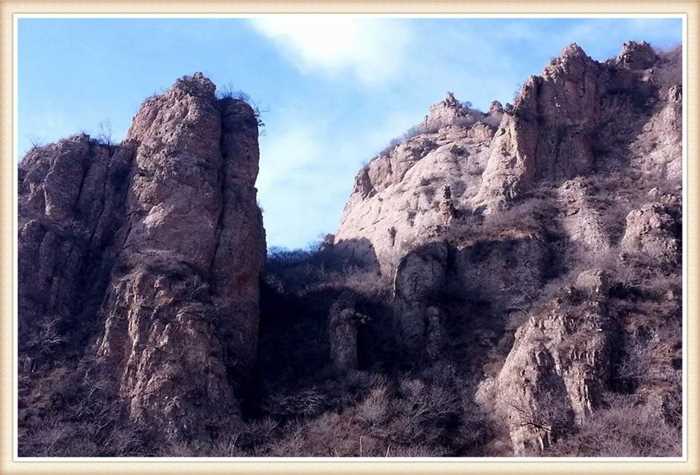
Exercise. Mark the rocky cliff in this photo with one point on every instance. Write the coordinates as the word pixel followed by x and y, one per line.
pixel 414 189
pixel 502 283
pixel 511 213
pixel 146 256
pixel 579 117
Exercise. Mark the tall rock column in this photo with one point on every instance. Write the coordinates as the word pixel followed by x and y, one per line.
pixel 240 251
pixel 181 312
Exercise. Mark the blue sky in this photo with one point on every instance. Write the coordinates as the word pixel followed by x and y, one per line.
pixel 333 91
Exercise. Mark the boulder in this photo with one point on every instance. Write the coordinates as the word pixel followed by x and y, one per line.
pixel 653 231
pixel 555 374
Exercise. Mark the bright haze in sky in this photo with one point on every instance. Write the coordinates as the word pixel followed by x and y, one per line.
pixel 333 90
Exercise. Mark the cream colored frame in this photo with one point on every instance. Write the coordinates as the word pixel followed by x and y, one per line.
pixel 8 464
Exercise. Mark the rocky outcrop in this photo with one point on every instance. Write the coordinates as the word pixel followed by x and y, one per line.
pixel 418 281
pixel 139 264
pixel 653 231
pixel 168 233
pixel 581 219
pixel 71 207
pixel 559 365
pixel 449 112
pixel 399 201
pixel 578 117
pixel 548 132
pixel 636 55
pixel 343 322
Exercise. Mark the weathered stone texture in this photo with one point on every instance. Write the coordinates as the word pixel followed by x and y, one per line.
pixel 158 240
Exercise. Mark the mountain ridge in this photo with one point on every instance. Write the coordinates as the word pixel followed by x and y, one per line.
pixel 502 283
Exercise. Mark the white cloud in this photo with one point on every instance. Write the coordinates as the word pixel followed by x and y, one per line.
pixel 371 49
pixel 290 150
pixel 289 188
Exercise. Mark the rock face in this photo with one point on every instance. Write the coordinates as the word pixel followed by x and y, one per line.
pixel 167 233
pixel 419 279
pixel 657 148
pixel 399 198
pixel 578 117
pixel 499 207
pixel 72 198
pixel 653 230
pixel 555 374
pixel 548 133
pixel 582 221
pixel 343 323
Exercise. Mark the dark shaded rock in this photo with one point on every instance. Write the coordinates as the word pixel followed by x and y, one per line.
pixel 419 279
pixel 343 322
pixel 636 55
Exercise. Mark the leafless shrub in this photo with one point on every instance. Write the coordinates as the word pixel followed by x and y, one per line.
pixel 409 414
pixel 298 403
pixel 627 428
pixel 229 91
pixel 374 409
pixel 415 451
pixel 35 142
pixel 548 418
pixel 527 215
pixel 634 365
pixel 104 134
pixel 301 271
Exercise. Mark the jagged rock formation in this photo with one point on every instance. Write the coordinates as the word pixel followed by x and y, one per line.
pixel 475 207
pixel 499 280
pixel 558 367
pixel 398 198
pixel 579 117
pixel 548 133
pixel 71 206
pixel 160 242
pixel 560 116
